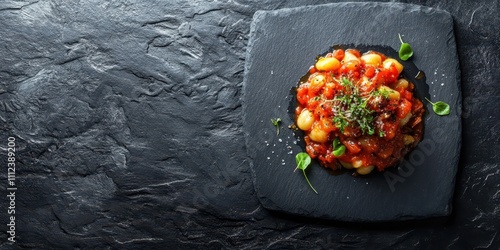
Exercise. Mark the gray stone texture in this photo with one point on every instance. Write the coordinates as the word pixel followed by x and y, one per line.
pixel 129 135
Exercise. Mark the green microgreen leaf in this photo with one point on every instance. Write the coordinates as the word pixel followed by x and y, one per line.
pixel 439 107
pixel 405 51
pixel 338 148
pixel 303 160
pixel 276 122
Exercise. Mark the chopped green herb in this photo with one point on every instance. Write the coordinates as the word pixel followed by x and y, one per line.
pixel 338 147
pixel 340 122
pixel 346 82
pixel 303 160
pixel 382 92
pixel 276 122
pixel 439 107
pixel 405 51
pixel 381 133
pixel 351 109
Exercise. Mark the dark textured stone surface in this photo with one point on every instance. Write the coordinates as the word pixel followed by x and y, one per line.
pixel 128 122
pixel 421 186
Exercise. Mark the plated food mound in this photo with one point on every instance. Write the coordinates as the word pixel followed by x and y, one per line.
pixel 357 111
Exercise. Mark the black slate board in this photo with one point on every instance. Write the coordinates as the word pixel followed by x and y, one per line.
pixel 283 44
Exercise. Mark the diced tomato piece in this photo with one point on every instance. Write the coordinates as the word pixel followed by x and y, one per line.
pixel 338 54
pixel 385 152
pixel 417 105
pixel 369 144
pixel 312 103
pixel 327 125
pixel 317 112
pixel 390 129
pixel 407 94
pixel 352 146
pixel 329 157
pixel 298 110
pixel 326 109
pixel 392 105
pixel 302 96
pixel 370 71
pixel 342 70
pixel 312 92
pixel 310 151
pixel 404 108
pixel 378 79
pixel 315 149
pixel 392 74
pixel 329 90
pixel 367 86
pixel 312 70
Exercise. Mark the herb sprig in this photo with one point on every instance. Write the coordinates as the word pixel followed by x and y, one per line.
pixel 405 51
pixel 439 107
pixel 276 122
pixel 303 160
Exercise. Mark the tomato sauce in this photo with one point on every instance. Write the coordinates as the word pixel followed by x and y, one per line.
pixel 362 100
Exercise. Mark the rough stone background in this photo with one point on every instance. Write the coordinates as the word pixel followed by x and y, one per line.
pixel 127 119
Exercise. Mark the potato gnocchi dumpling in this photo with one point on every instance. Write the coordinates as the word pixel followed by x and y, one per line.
pixel 362 100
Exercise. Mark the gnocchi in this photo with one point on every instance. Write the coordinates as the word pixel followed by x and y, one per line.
pixel 318 135
pixel 390 93
pixel 372 59
pixel 327 63
pixel 365 170
pixel 357 112
pixel 391 61
pixel 305 120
